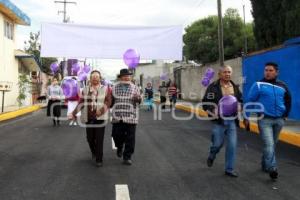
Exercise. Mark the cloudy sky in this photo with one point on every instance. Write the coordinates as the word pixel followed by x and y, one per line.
pixel 120 12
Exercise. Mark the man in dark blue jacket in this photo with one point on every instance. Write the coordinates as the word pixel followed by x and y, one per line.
pixel 275 98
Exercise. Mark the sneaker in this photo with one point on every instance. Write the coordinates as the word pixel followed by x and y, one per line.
pixel 71 123
pixel 75 123
pixel 127 162
pixel 209 162
pixel 232 174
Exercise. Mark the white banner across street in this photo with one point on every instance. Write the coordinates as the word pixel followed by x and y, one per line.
pixel 87 41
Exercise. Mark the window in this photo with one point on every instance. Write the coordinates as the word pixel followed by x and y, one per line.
pixel 8 30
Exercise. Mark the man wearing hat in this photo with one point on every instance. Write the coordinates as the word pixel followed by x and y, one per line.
pixel 126 96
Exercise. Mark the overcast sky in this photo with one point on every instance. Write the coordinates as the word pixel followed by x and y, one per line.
pixel 122 12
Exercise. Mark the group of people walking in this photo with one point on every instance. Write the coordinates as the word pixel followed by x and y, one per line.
pixel 164 90
pixel 274 99
pixel 95 103
pixel 124 97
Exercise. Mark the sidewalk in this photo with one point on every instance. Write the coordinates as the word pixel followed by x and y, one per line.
pixel 289 134
pixel 12 112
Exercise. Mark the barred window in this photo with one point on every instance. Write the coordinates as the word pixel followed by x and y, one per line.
pixel 8 30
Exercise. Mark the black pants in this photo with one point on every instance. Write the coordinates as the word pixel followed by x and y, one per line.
pixel 95 138
pixel 124 133
pixel 53 108
pixel 163 102
pixel 173 101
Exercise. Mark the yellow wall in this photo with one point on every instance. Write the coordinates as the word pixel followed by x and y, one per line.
pixel 8 64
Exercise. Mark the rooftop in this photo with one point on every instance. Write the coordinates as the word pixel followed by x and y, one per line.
pixel 14 13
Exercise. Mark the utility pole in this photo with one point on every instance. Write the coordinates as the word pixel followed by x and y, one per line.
pixel 65 2
pixel 245 33
pixel 220 26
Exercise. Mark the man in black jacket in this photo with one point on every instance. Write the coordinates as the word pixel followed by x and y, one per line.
pixel 223 126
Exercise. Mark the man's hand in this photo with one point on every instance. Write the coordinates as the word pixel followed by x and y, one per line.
pixel 136 98
pixel 246 124
pixel 71 116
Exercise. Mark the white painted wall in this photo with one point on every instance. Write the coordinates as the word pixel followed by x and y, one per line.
pixel 8 64
pixel 152 73
pixel 191 77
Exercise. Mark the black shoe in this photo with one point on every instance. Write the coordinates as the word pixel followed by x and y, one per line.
pixel 54 123
pixel 99 163
pixel 119 152
pixel 232 174
pixel 93 157
pixel 127 162
pixel 58 123
pixel 273 174
pixel 209 162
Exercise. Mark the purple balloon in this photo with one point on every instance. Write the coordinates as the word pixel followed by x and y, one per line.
pixel 75 68
pixel 54 67
pixel 131 58
pixel 70 88
pixel 209 73
pixel 104 82
pixel 82 76
pixel 205 81
pixel 164 76
pixel 228 105
pixel 86 68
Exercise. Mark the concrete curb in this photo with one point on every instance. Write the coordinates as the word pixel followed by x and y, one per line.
pixel 285 136
pixel 20 112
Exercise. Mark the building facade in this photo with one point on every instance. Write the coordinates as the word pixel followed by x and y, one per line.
pixel 12 61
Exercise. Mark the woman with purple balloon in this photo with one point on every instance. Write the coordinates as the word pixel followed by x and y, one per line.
pixel 221 103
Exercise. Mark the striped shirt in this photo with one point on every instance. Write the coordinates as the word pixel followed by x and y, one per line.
pixel 172 91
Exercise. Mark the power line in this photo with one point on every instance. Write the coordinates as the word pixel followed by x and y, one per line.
pixel 192 15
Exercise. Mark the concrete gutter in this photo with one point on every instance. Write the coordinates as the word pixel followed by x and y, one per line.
pixel 20 112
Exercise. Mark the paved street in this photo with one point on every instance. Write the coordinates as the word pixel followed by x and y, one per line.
pixel 38 161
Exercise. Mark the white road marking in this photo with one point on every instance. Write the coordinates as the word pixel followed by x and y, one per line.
pixel 122 192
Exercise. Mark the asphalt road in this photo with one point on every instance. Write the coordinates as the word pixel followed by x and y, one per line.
pixel 38 161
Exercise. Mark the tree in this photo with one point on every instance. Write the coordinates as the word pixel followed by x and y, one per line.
pixel 275 21
pixel 201 38
pixel 33 47
pixel 23 85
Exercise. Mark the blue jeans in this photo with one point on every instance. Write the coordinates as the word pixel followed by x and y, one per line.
pixel 269 129
pixel 149 103
pixel 217 140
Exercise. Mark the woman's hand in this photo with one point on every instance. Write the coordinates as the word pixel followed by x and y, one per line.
pixel 98 112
